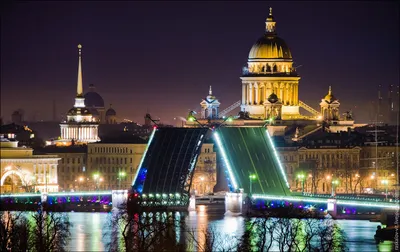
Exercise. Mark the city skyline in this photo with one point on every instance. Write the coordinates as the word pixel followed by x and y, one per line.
pixel 161 57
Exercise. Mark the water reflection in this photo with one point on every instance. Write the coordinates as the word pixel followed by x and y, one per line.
pixel 92 231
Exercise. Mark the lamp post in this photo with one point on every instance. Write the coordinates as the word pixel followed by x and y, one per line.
pixel 80 183
pixel 120 176
pixel 96 177
pixel 334 184
pixel 385 182
pixel 301 177
pixel 252 177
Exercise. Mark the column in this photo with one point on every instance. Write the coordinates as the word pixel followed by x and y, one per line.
pixel 248 93
pixel 251 94
pixel 256 100
pixel 268 89
pixel 243 93
pixel 280 91
pixel 296 94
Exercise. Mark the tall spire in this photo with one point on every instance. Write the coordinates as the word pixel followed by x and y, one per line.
pixel 330 90
pixel 79 88
pixel 79 99
pixel 270 23
pixel 210 91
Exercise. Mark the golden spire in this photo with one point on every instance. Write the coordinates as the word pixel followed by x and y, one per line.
pixel 270 11
pixel 330 90
pixel 79 88
pixel 210 91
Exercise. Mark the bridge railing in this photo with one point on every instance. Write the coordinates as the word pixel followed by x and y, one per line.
pixel 352 197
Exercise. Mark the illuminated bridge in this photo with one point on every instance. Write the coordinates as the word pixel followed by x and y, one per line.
pixel 165 172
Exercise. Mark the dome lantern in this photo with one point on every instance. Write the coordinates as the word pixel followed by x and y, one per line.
pixel 270 23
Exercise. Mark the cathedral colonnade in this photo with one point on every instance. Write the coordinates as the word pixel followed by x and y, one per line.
pixel 255 92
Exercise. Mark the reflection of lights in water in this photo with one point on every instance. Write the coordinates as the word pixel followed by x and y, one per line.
pixel 177 219
pixel 231 224
pixel 96 232
pixel 81 238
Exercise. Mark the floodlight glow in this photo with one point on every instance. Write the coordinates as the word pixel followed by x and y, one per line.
pixel 278 160
pixel 144 155
pixel 226 160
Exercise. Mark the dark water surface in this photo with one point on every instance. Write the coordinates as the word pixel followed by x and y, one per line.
pixel 89 228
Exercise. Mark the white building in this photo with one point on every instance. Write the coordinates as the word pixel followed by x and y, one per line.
pixel 81 127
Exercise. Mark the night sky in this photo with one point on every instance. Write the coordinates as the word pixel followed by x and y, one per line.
pixel 161 57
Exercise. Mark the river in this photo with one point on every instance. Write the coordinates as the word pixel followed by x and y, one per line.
pixel 89 230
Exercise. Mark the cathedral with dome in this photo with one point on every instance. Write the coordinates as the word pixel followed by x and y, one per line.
pixel 270 92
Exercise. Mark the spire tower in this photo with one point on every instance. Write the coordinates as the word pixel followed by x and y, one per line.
pixel 79 88
pixel 79 99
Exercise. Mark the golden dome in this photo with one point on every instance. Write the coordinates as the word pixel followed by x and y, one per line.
pixel 270 47
pixel 330 97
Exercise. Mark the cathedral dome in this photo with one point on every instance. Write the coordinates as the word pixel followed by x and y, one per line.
pixel 111 112
pixel 93 99
pixel 270 47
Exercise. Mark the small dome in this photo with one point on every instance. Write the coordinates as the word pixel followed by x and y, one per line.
pixel 93 99
pixel 79 111
pixel 111 111
pixel 272 98
pixel 330 97
pixel 270 47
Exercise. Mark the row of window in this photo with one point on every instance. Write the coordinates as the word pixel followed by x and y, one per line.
pixel 122 150
pixel 71 160
pixel 112 160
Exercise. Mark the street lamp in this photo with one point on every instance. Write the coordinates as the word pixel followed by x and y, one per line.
pixel 386 183
pixel 96 177
pixel 120 176
pixel 301 177
pixel 334 184
pixel 80 182
pixel 252 177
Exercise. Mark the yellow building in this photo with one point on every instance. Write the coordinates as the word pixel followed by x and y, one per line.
pixel 22 171
pixel 205 174
pixel 113 164
pixel 72 175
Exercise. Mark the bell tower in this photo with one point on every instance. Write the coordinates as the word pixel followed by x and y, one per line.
pixel 210 106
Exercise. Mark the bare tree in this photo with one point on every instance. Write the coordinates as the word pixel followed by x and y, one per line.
pixel 292 234
pixel 13 232
pixel 143 232
pixel 213 241
pixel 49 231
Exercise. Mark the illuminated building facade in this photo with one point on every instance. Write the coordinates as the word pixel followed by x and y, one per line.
pixel 72 175
pixel 112 164
pixel 210 106
pixel 80 126
pixel 22 171
pixel 205 174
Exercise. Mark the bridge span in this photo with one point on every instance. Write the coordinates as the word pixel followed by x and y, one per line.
pixel 163 179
